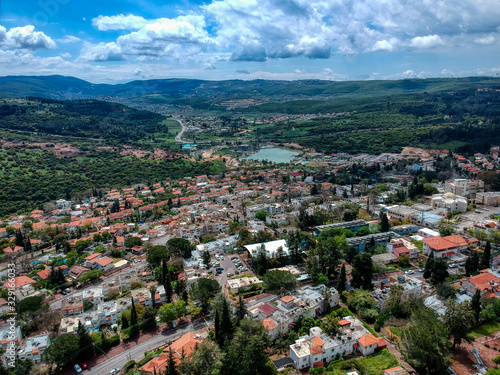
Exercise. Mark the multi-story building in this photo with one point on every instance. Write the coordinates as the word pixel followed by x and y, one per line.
pixel 402 213
pixel 353 226
pixel 487 282
pixel 245 282
pixel 34 348
pixel 142 296
pixel 72 306
pixel 465 188
pixel 94 295
pixel 488 199
pixel 69 324
pixel 317 348
pixel 444 247
pixel 402 247
pixel 449 202
pixel 7 336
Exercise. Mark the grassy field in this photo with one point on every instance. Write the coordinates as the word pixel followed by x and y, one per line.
pixel 485 329
pixel 371 365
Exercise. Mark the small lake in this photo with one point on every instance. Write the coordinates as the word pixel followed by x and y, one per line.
pixel 273 154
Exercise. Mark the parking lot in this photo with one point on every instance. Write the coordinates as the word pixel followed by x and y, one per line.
pixel 228 267
pixel 468 218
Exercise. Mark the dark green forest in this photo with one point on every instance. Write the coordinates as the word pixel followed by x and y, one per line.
pixel 80 118
pixel 31 177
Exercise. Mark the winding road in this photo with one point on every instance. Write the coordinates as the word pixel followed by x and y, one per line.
pixel 178 137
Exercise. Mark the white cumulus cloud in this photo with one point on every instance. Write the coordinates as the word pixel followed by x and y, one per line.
pixel 25 38
pixel 119 22
pixel 428 41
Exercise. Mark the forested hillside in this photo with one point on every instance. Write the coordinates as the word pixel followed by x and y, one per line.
pixel 80 118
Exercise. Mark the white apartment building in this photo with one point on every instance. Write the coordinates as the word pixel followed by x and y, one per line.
pixel 463 187
pixel 34 348
pixel 6 336
pixel 142 296
pixel 449 202
pixel 317 348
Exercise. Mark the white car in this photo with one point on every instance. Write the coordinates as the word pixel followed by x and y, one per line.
pixel 114 371
pixel 78 369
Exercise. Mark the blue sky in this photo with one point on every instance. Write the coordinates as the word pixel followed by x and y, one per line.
pixel 122 40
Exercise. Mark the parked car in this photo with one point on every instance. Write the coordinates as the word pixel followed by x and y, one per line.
pixel 83 365
pixel 453 265
pixel 461 264
pixel 78 369
pixel 63 292
pixel 229 274
pixel 236 272
pixel 114 371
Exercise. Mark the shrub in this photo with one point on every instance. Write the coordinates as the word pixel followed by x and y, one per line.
pixel 129 365
pixel 496 359
pixel 376 327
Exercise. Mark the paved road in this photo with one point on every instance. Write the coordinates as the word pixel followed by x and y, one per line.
pixel 178 137
pixel 137 352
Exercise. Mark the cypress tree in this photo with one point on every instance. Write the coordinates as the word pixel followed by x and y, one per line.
pixel 124 322
pixel 84 340
pixel 475 305
pixel 384 223
pixel 217 330
pixel 225 320
pixel 428 266
pixel 485 260
pixel 171 368
pixel 341 285
pixel 134 327
pixel 241 310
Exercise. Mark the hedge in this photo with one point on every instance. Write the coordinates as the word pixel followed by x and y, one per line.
pixel 146 359
pixel 129 365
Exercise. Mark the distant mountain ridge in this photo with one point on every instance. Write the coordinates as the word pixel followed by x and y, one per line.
pixel 63 87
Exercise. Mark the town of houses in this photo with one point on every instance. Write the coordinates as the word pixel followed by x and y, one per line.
pixel 267 200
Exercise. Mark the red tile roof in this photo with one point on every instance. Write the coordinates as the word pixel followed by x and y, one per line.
pixel 267 309
pixel 315 350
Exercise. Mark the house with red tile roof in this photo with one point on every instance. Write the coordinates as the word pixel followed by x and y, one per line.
pixel 18 282
pixel 183 346
pixel 486 282
pixel 44 274
pixel 444 247
pixel 98 262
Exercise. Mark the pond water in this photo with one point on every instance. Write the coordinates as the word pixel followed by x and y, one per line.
pixel 273 154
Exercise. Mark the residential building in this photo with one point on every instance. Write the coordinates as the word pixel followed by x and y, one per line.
pixel 272 248
pixel 245 282
pixel 488 199
pixel 69 324
pixel 7 336
pixel 317 348
pixel 487 282
pixel 353 226
pixel 402 246
pixel 402 213
pixel 445 247
pixel 72 306
pixel 142 296
pixel 450 202
pixel 184 346
pixel 465 188
pixel 34 348
pixel 94 295
pixel 360 243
